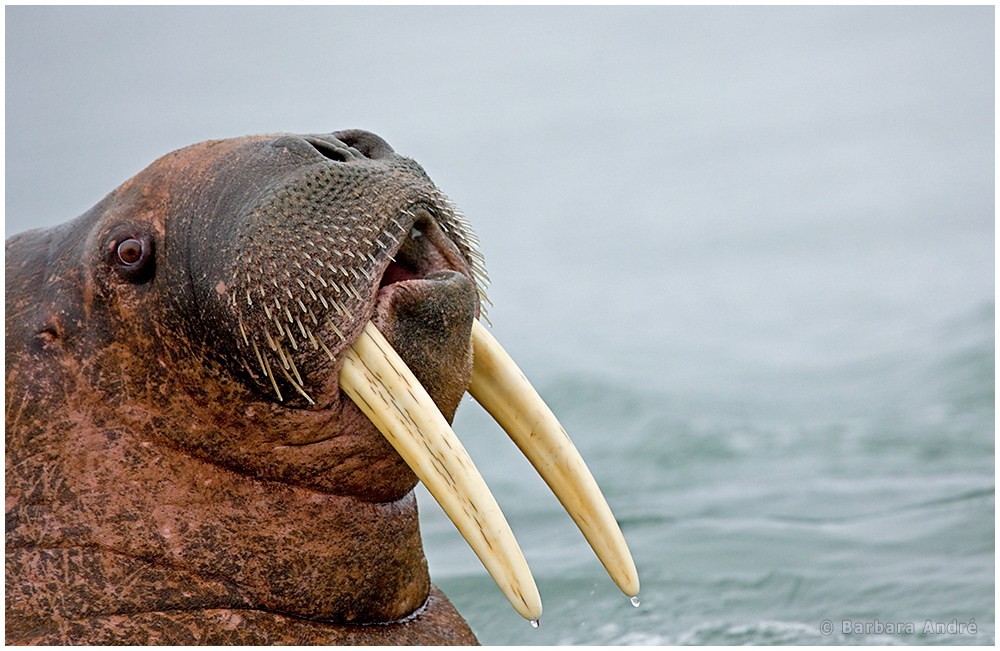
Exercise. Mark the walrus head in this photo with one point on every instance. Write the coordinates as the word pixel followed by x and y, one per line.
pixel 294 318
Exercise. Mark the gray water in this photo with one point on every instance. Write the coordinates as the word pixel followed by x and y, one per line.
pixel 746 254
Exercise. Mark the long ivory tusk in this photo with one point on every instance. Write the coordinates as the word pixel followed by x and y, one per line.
pixel 500 387
pixel 385 389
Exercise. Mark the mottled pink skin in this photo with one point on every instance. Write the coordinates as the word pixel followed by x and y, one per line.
pixel 154 497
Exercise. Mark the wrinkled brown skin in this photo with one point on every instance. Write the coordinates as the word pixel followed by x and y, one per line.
pixel 156 492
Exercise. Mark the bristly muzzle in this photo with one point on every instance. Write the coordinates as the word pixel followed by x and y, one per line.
pixel 309 259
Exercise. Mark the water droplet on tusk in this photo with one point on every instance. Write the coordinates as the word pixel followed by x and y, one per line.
pixel 534 623
pixel 635 601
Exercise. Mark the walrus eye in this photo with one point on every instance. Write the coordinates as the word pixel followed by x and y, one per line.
pixel 129 252
pixel 132 256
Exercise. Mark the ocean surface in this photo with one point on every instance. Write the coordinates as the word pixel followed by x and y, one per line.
pixel 747 255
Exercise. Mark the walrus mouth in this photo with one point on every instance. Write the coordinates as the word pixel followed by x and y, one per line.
pixel 379 382
pixel 312 268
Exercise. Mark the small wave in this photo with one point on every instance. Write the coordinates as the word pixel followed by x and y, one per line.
pixel 763 632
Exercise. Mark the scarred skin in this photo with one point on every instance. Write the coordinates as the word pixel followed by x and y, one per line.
pixel 158 490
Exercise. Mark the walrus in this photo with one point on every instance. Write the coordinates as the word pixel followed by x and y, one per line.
pixel 223 383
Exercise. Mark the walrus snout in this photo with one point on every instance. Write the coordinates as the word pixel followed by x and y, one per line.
pixel 289 263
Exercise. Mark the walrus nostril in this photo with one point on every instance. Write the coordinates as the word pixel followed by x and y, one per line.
pixel 370 145
pixel 331 150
